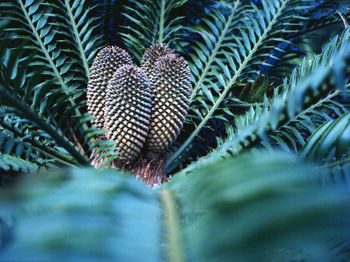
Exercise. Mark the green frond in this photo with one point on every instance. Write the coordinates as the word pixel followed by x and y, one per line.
pixel 14 146
pixel 22 139
pixel 10 165
pixel 149 22
pixel 35 104
pixel 329 145
pixel 237 47
pixel 246 200
pixel 25 112
pixel 330 141
pixel 337 173
pixel 95 226
pixel 324 15
pixel 45 75
pixel 82 27
pixel 293 134
pixel 253 128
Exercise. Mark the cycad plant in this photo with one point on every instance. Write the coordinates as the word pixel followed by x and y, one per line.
pixel 258 171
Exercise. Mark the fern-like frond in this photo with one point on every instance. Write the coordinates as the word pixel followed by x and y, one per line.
pixel 81 27
pixel 296 97
pixel 293 134
pixel 329 145
pixel 149 22
pixel 326 13
pixel 330 141
pixel 30 143
pixel 25 112
pixel 45 75
pixel 11 164
pixel 62 46
pixel 235 48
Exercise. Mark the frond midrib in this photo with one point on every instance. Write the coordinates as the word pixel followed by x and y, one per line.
pixel 161 22
pixel 171 226
pixel 215 50
pixel 77 38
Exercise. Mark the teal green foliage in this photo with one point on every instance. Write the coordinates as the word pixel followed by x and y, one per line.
pixel 42 79
pixel 329 141
pixel 151 22
pixel 84 215
pixel 11 164
pixel 248 207
pixel 255 207
pixel 260 171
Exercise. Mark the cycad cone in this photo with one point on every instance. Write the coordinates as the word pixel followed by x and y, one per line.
pixel 106 63
pixel 170 82
pixel 127 111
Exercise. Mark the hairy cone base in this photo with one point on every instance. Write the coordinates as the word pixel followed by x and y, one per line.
pixel 171 88
pixel 107 61
pixel 151 56
pixel 128 111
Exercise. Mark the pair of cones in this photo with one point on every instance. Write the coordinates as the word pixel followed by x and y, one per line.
pixel 141 108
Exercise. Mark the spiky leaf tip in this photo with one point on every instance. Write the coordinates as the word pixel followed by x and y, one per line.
pixel 107 61
pixel 151 56
pixel 128 111
pixel 171 88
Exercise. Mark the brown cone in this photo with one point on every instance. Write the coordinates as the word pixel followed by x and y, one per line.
pixel 171 88
pixel 128 111
pixel 107 61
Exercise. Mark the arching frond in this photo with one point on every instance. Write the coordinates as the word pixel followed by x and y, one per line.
pixel 237 46
pixel 44 76
pixel 81 26
pixel 330 141
pixel 30 142
pixel 292 135
pixel 11 164
pixel 329 145
pixel 255 127
pixel 323 14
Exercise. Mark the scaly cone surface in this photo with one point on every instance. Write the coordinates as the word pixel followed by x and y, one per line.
pixel 151 56
pixel 128 111
pixel 107 61
pixel 171 88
